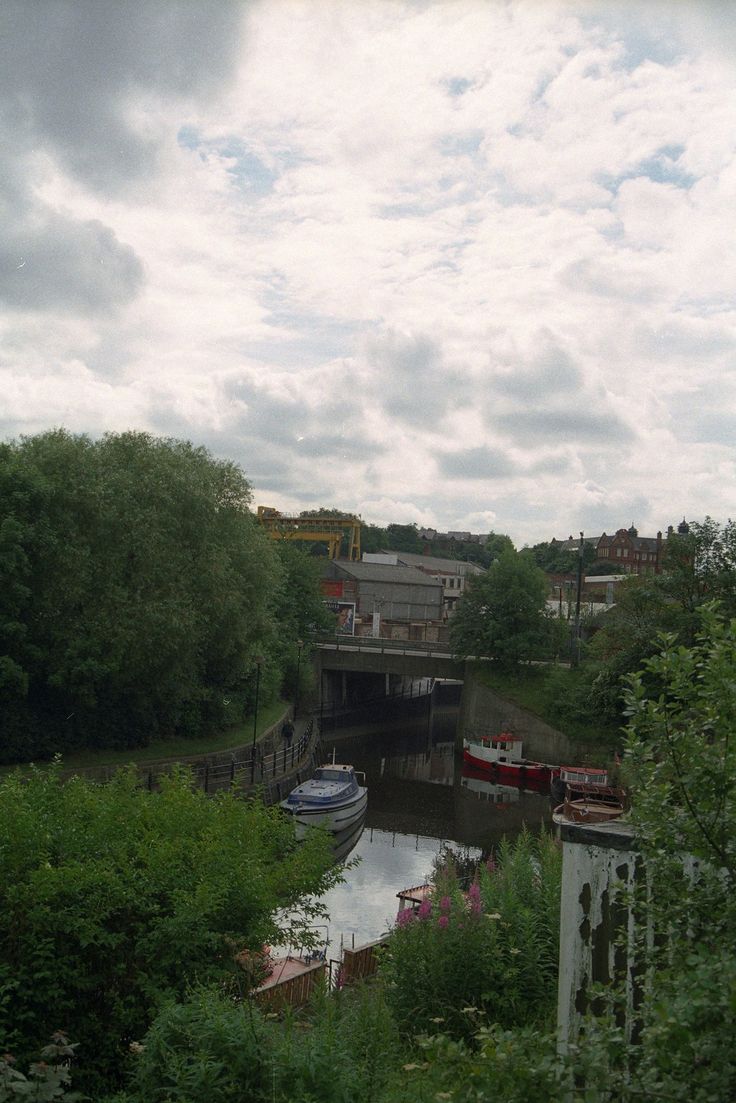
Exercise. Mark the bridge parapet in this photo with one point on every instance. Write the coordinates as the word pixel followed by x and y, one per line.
pixel 417 658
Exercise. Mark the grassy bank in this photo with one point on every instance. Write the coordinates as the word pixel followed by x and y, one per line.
pixel 544 691
pixel 233 736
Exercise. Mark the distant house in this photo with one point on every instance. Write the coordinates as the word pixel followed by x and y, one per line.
pixel 627 552
pixel 385 599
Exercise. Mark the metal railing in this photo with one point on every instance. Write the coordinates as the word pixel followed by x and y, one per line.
pixel 327 641
pixel 256 768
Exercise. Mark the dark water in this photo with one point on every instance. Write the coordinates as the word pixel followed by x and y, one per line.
pixel 419 801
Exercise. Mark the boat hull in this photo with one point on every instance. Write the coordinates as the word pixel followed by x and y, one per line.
pixel 521 773
pixel 335 818
pixel 587 812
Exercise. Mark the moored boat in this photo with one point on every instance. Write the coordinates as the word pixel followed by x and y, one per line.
pixel 502 754
pixel 332 798
pixel 590 804
pixel 578 780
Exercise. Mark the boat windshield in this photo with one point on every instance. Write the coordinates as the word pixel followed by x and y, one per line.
pixel 331 775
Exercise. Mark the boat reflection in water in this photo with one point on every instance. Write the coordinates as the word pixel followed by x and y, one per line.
pixel 343 842
pixel 480 784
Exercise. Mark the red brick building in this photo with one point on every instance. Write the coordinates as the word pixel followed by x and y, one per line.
pixel 629 553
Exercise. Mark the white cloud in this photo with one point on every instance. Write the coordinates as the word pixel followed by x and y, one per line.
pixel 453 260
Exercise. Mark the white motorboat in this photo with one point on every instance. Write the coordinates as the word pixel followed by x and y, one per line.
pixel 333 798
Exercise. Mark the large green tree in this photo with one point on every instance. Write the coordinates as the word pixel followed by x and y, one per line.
pixel 135 589
pixel 700 566
pixel 502 614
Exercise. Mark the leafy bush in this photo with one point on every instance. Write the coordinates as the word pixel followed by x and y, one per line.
pixel 113 899
pixel 491 951
pixel 212 1048
pixel 47 1079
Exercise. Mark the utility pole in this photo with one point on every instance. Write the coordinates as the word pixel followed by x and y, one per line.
pixel 576 656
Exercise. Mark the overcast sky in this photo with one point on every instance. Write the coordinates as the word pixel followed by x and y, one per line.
pixel 469 264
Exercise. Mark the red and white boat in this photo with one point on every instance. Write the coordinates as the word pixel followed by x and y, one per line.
pixel 577 780
pixel 502 755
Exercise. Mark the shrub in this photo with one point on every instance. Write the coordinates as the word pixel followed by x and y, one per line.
pixel 490 952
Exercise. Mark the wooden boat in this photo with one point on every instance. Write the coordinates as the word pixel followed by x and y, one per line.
pixel 592 804
pixel 332 798
pixel 502 755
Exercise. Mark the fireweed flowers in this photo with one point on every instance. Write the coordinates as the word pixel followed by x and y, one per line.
pixel 493 947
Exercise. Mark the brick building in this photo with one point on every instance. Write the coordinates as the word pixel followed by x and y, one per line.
pixel 629 553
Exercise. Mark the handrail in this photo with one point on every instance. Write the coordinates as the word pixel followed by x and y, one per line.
pixel 338 642
pixel 255 767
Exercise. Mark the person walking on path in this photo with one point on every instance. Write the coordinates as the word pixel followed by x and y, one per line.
pixel 287 731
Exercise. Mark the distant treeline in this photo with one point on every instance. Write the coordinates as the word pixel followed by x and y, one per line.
pixel 137 593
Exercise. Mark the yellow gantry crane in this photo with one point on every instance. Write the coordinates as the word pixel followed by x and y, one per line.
pixel 313 527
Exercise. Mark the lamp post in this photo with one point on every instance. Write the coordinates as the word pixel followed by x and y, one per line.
pixel 299 646
pixel 255 710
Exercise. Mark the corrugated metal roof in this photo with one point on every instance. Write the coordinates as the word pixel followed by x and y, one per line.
pixel 380 572
pixel 449 566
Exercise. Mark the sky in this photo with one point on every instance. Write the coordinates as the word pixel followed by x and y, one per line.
pixel 467 264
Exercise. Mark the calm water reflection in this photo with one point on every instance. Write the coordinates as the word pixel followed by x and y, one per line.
pixel 418 801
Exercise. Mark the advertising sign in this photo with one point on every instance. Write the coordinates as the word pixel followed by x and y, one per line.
pixel 331 587
pixel 345 611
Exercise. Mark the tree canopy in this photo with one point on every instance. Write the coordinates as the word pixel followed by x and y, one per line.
pixel 136 590
pixel 502 614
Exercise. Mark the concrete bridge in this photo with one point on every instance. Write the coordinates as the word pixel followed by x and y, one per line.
pixel 374 655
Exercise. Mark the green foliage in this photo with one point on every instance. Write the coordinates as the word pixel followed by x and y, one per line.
pixel 700 566
pixel 47 1079
pixel 404 538
pixel 113 899
pixel 551 557
pixel 135 589
pixel 681 764
pixel 496 544
pixel 298 613
pixel 502 614
pixel 215 1049
pixel 508 1066
pixel 373 538
pixel 681 754
pixel 493 950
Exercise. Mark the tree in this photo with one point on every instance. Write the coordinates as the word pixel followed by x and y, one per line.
pixel 373 538
pixel 299 611
pixel 700 566
pixel 404 538
pixel 135 588
pixel 551 557
pixel 502 614
pixel 114 900
pixel 496 543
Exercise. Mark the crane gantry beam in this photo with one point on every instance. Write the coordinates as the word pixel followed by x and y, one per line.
pixel 314 528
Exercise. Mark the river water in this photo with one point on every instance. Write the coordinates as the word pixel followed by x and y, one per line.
pixel 421 799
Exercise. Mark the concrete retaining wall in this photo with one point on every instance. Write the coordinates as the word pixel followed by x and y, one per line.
pixel 484 712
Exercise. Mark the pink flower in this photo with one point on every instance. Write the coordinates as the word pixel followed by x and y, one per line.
pixel 445 904
pixel 491 865
pixel 475 908
pixel 474 891
pixel 425 909
pixel 404 918
pixel 443 921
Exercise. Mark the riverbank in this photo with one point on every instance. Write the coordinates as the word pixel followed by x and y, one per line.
pixel 537 689
pixel 165 751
